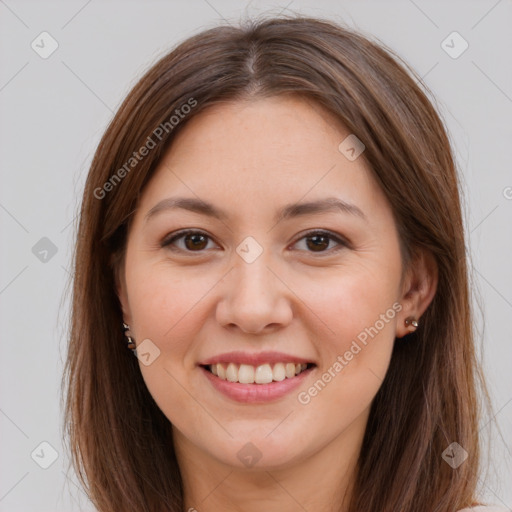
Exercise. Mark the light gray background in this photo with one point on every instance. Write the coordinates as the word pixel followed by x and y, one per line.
pixel 54 111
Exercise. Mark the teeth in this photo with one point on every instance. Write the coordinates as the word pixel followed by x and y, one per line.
pixel 221 371
pixel 232 373
pixel 262 374
pixel 279 373
pixel 245 374
pixel 290 370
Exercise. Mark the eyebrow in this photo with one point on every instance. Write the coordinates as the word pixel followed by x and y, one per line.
pixel 329 204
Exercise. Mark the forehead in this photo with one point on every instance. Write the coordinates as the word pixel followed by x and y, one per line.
pixel 250 154
pixel 279 124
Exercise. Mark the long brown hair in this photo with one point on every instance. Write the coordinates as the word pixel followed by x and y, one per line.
pixel 120 441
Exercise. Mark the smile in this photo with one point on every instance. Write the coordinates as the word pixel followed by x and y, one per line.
pixel 261 374
pixel 256 377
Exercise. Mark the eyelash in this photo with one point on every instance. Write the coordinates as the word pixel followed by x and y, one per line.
pixel 331 236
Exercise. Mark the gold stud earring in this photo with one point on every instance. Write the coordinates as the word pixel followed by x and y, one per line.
pixel 411 321
pixel 130 343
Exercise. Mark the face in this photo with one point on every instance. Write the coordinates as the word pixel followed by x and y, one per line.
pixel 265 288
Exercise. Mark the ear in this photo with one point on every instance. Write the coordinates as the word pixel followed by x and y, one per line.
pixel 121 291
pixel 418 290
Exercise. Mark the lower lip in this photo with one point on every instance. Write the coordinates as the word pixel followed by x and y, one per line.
pixel 256 393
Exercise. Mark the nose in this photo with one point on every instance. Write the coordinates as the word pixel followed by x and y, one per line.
pixel 255 299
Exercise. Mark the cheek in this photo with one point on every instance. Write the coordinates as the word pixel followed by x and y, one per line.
pixel 349 302
pixel 355 349
pixel 357 313
pixel 164 302
pixel 165 307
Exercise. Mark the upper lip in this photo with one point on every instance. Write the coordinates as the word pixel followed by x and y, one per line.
pixel 254 359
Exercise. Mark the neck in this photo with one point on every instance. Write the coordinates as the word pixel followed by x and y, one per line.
pixel 320 481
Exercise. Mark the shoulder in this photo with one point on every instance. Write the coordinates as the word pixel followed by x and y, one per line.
pixel 485 508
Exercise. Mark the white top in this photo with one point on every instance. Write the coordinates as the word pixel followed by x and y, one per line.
pixel 485 508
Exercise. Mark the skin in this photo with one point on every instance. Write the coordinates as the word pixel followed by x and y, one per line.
pixel 250 158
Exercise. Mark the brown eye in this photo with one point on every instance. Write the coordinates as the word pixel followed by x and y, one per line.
pixel 193 241
pixel 197 241
pixel 318 241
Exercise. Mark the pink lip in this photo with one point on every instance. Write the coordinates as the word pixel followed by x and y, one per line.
pixel 239 357
pixel 256 393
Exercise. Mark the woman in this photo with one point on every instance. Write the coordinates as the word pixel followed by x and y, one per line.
pixel 271 224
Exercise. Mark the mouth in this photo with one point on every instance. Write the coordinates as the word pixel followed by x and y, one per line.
pixel 265 373
pixel 256 378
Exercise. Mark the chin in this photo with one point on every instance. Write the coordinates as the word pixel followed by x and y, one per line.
pixel 262 451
